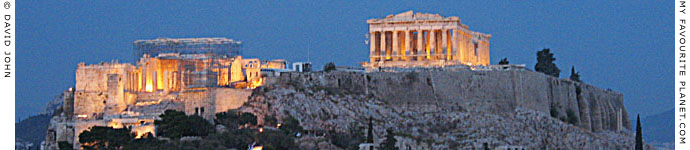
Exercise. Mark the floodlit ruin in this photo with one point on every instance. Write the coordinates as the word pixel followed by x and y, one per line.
pixel 417 39
pixel 199 76
pixel 205 76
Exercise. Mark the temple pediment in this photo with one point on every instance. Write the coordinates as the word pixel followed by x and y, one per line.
pixel 412 16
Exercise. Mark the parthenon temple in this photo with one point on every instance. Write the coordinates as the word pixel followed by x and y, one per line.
pixel 418 39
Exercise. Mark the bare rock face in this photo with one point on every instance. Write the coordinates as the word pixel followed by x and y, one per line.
pixel 594 109
pixel 451 109
pixel 61 125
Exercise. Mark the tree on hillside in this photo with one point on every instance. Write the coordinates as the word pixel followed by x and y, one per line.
pixel 571 116
pixel 199 126
pixel 545 63
pixel 504 61
pixel 229 119
pixel 349 140
pixel 147 142
pixel 100 137
pixel 176 124
pixel 247 118
pixel 575 76
pixel 276 140
pixel 63 145
pixel 291 125
pixel 270 120
pixel 370 132
pixel 389 142
pixel 329 67
pixel 638 135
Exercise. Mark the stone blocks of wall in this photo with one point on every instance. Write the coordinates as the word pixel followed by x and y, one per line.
pixel 230 98
pixel 199 102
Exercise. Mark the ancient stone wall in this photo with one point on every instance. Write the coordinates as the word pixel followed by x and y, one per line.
pixel 99 90
pixel 595 109
pixel 230 98
pixel 199 102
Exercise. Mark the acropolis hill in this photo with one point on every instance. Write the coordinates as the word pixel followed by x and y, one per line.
pixel 428 76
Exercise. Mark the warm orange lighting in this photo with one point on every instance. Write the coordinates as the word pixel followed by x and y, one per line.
pixel 261 130
pixel 258 148
pixel 139 78
pixel 149 87
pixel 256 83
pixel 160 78
pixel 140 134
pixel 115 125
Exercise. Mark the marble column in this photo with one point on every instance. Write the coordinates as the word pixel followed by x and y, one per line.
pixel 444 44
pixel 454 44
pixel 432 43
pixel 462 45
pixel 372 46
pixel 143 77
pixel 395 42
pixel 382 51
pixel 165 81
pixel 420 44
pixel 155 81
pixel 406 48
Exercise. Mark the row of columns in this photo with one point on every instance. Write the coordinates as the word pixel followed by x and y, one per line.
pixel 426 46
pixel 149 76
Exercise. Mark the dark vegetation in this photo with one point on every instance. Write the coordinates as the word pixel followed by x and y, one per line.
pixel 389 142
pixel 241 131
pixel 63 145
pixel 347 140
pixel 545 63
pixel 572 117
pixel 639 145
pixel 575 76
pixel 233 119
pixel 329 67
pixel 504 61
pixel 176 124
pixel 99 137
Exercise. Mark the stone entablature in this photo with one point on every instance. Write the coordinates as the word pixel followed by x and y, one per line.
pixel 419 37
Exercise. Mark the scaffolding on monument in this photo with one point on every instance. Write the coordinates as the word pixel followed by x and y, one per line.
pixel 219 47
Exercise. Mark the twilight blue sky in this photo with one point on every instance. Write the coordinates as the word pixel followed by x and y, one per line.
pixel 625 46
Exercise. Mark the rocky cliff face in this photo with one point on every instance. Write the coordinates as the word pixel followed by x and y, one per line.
pixel 452 109
pixel 595 109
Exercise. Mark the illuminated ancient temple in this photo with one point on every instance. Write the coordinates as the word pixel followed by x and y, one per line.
pixel 413 39
pixel 199 76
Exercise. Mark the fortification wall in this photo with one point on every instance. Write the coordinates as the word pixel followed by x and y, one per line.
pixel 495 91
pixel 200 102
pixel 230 98
pixel 99 89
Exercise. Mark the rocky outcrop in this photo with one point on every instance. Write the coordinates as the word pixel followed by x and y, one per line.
pixel 594 109
pixel 451 109
pixel 61 127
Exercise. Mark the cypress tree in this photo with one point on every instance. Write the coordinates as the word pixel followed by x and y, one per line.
pixel 504 61
pixel 545 63
pixel 638 135
pixel 575 76
pixel 370 133
pixel 389 143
